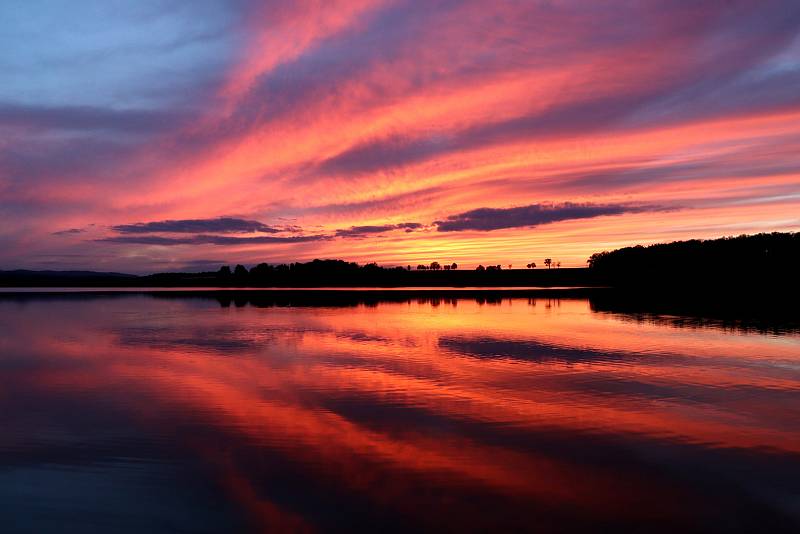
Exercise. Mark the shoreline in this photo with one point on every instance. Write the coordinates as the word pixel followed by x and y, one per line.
pixel 380 293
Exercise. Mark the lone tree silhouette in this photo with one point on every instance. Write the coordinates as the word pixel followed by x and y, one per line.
pixel 531 265
pixel 548 262
pixel 454 266
pixel 435 266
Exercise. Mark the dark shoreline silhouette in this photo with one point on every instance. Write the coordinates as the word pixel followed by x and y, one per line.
pixel 751 265
pixel 314 274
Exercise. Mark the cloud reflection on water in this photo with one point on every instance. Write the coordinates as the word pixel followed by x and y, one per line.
pixel 463 415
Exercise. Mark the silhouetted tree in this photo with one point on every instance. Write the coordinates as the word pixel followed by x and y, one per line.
pixel 422 267
pixel 480 268
pixel 531 265
pixel 446 267
pixel 547 262
pixel 240 271
pixel 435 266
pixel 261 270
pixel 454 266
pixel 225 270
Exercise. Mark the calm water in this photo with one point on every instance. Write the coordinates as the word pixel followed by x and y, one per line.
pixel 136 413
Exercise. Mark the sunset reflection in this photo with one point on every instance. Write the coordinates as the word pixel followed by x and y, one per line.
pixel 299 418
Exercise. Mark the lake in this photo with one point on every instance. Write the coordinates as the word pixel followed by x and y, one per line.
pixel 200 413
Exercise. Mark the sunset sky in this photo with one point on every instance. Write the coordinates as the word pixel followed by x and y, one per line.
pixel 159 135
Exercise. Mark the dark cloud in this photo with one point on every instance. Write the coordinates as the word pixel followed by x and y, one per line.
pixel 194 226
pixel 362 231
pixel 88 118
pixel 71 231
pixel 203 239
pixel 485 219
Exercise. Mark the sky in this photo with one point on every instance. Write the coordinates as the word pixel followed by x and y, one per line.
pixel 162 135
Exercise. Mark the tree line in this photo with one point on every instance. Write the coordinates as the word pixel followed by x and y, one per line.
pixel 343 267
pixel 766 259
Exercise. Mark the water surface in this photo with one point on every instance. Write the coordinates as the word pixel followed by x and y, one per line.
pixel 134 413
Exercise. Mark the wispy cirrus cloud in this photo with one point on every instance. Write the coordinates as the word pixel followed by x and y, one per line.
pixel 486 219
pixel 343 117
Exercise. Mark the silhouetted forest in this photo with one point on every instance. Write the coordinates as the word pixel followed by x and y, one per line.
pixel 338 273
pixel 755 262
